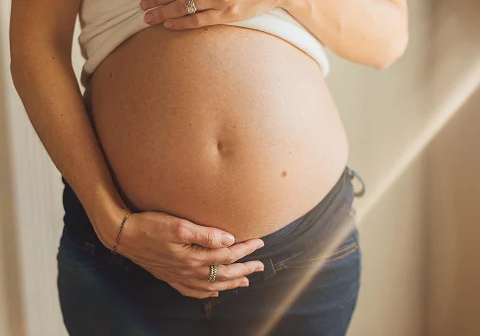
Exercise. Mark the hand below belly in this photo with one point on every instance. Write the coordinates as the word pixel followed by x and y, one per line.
pixel 224 126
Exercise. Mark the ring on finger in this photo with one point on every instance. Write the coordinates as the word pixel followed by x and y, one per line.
pixel 213 272
pixel 190 7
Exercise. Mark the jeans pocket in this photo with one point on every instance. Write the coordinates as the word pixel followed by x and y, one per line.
pixel 318 255
pixel 80 255
pixel 307 259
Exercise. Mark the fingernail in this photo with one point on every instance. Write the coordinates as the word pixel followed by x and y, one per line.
pixel 260 268
pixel 261 244
pixel 227 239
pixel 244 283
pixel 149 18
pixel 168 24
pixel 214 295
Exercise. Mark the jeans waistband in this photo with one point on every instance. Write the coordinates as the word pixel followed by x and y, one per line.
pixel 317 213
pixel 317 225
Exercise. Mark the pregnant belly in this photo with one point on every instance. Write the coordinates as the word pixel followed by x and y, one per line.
pixel 223 126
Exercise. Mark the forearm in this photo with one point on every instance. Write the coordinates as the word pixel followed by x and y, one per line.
pixel 370 32
pixel 48 88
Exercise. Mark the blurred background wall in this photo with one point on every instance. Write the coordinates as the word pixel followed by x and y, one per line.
pixel 383 113
pixel 453 292
pixel 420 276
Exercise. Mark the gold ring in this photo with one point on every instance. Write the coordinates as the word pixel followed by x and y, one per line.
pixel 213 272
pixel 190 7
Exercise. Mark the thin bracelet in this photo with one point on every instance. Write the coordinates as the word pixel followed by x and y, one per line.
pixel 114 249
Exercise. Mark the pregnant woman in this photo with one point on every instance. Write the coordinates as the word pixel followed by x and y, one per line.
pixel 205 165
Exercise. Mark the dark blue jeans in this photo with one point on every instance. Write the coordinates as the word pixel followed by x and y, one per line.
pixel 103 294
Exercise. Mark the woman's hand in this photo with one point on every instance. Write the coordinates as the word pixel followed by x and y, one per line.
pixel 173 14
pixel 179 252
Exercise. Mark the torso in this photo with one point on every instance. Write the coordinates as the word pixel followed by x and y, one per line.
pixel 224 126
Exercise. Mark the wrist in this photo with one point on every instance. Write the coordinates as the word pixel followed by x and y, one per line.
pixel 108 228
pixel 106 217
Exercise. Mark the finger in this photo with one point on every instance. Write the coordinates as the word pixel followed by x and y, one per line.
pixel 186 232
pixel 172 10
pixel 200 19
pixel 233 271
pixel 216 286
pixel 149 4
pixel 192 292
pixel 227 255
pixel 157 15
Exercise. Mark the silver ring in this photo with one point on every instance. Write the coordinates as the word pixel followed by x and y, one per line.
pixel 213 272
pixel 190 7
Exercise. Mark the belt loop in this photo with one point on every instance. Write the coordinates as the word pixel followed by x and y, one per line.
pixel 208 308
pixel 269 270
pixel 84 245
pixel 352 174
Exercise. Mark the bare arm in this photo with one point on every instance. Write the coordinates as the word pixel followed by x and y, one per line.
pixel 369 32
pixel 41 35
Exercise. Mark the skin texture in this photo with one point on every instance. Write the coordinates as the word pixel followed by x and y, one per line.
pixel 223 136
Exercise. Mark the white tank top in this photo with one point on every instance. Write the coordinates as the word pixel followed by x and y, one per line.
pixel 107 23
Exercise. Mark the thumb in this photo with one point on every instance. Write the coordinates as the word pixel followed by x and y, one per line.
pixel 190 233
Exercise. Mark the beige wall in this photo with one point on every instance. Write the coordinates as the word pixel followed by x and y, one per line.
pixel 453 296
pixel 403 292
pixel 5 216
pixel 11 310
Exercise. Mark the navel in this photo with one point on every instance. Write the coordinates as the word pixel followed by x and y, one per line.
pixel 220 146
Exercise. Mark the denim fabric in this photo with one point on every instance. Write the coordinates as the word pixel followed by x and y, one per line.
pixel 106 294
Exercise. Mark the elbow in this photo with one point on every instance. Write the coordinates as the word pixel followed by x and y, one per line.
pixel 13 69
pixel 15 72
pixel 16 61
pixel 392 50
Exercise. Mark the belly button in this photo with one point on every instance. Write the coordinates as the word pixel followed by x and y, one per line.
pixel 223 150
